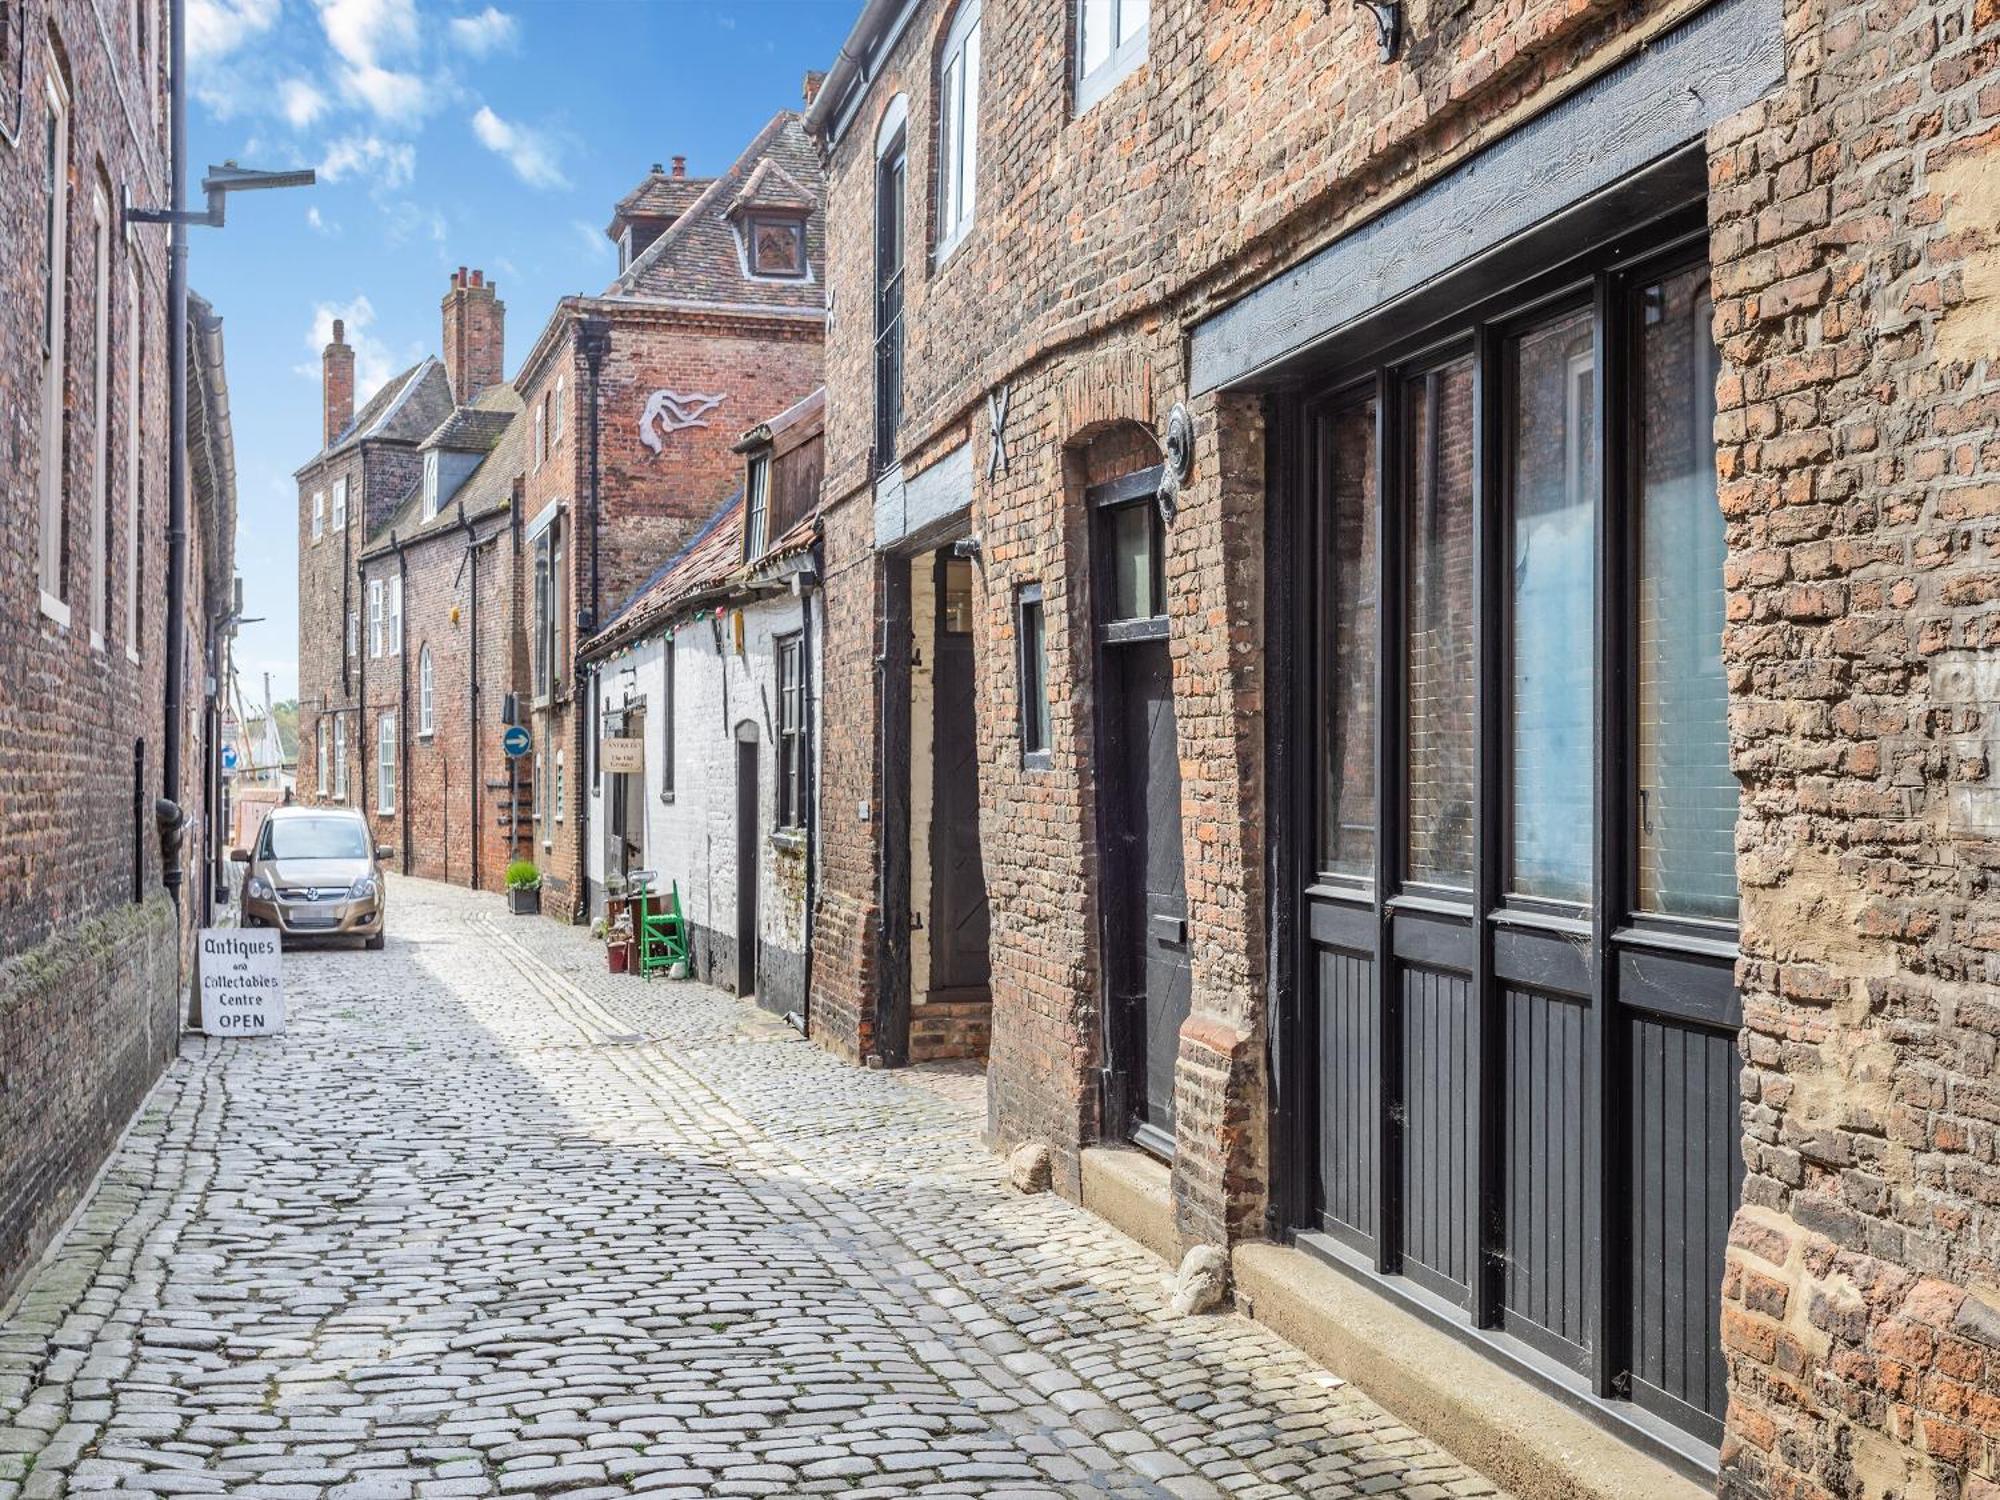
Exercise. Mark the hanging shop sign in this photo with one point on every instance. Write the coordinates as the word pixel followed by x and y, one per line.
pixel 621 757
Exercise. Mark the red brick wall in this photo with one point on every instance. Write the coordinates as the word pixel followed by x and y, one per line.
pixel 90 989
pixel 1855 245
pixel 475 334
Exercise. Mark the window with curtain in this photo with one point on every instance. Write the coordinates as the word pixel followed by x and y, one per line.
pixel 1552 480
pixel 958 127
pixel 1686 795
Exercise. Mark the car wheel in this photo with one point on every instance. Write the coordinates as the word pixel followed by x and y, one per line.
pixel 374 944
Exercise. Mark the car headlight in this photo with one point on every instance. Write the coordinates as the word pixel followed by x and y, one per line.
pixel 363 888
pixel 258 890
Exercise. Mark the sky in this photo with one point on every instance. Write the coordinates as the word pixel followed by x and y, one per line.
pixel 446 133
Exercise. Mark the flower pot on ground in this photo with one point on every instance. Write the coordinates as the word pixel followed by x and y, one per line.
pixel 524 888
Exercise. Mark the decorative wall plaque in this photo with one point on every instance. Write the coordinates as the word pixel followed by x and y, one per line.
pixel 668 412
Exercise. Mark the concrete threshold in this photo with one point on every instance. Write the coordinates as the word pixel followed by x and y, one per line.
pixel 1133 1192
pixel 1515 1433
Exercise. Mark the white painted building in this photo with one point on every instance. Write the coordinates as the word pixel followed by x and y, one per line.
pixel 707 681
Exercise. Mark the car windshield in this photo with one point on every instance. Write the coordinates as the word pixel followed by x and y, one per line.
pixel 315 838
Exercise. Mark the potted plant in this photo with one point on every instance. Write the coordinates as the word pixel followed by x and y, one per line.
pixel 524 888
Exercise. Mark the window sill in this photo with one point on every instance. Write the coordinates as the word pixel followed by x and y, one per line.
pixel 941 256
pixel 1038 760
pixel 789 840
pixel 1094 88
pixel 667 797
pixel 55 609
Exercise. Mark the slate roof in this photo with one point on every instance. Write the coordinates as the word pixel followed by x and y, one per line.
pixel 660 195
pixel 700 257
pixel 771 186
pixel 472 429
pixel 486 490
pixel 407 409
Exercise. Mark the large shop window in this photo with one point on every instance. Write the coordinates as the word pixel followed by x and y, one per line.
pixel 1514 983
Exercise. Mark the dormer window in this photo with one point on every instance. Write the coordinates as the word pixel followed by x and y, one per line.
pixel 757 506
pixel 430 509
pixel 777 245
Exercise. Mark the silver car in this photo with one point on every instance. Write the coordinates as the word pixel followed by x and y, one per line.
pixel 314 874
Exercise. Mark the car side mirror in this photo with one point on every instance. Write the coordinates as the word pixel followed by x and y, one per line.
pixel 383 851
pixel 239 856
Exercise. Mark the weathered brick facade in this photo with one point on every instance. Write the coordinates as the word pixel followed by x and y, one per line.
pixel 1851 235
pixel 92 967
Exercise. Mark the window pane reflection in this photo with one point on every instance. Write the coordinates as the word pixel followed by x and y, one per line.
pixel 1347 839
pixel 1687 796
pixel 1135 563
pixel 1439 663
pixel 1552 490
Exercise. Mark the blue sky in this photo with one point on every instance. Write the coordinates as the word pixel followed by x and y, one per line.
pixel 446 133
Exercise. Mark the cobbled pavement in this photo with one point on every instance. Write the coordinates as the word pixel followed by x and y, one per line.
pixel 487 1220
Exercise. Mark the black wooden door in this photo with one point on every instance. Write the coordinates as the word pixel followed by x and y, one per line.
pixel 1149 880
pixel 747 842
pixel 1512 849
pixel 958 915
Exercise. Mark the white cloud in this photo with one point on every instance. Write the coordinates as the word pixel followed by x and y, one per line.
pixel 367 35
pixel 403 222
pixel 301 101
pixel 218 27
pixel 319 225
pixel 594 241
pixel 391 163
pixel 374 360
pixel 488 32
pixel 389 94
pixel 527 151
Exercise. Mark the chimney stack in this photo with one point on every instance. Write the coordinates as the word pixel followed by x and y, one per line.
pixel 475 321
pixel 814 78
pixel 336 366
pixel 680 166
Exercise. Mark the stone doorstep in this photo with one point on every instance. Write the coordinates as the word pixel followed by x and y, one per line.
pixel 1133 1192
pixel 1513 1432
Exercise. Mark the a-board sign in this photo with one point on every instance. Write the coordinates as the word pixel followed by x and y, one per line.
pixel 621 757
pixel 242 981
pixel 515 740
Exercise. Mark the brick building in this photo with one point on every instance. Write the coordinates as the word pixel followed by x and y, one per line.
pixel 93 960
pixel 710 670
pixel 718 309
pixel 1470 529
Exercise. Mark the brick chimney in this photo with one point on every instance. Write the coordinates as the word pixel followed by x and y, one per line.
pixel 680 166
pixel 475 322
pixel 814 78
pixel 336 367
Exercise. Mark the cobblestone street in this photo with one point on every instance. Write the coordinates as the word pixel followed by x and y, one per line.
pixel 487 1220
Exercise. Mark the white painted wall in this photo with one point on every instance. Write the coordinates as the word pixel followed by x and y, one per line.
pixel 691 838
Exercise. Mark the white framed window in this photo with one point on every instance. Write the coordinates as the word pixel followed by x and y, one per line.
pixel 339 759
pixel 375 621
pixel 395 616
pixel 1110 42
pixel 541 433
pixel 757 507
pixel 385 764
pixel 100 447
pixel 55 318
pixel 319 736
pixel 561 411
pixel 134 425
pixel 426 695
pixel 537 794
pixel 430 507
pixel 340 503
pixel 958 128
pixel 319 514
pixel 561 786
pixel 353 632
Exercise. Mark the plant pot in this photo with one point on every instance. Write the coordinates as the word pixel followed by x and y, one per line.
pixel 524 900
pixel 620 957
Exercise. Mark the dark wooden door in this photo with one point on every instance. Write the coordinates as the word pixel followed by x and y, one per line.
pixel 747 843
pixel 958 915
pixel 1145 778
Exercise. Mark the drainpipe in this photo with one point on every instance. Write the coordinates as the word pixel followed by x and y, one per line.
pixel 403 695
pixel 810 710
pixel 361 641
pixel 472 685
pixel 177 405
pixel 594 340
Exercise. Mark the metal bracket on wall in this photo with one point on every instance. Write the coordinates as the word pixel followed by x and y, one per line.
pixel 996 416
pixel 1388 16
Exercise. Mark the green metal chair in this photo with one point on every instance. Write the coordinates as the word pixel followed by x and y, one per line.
pixel 663 939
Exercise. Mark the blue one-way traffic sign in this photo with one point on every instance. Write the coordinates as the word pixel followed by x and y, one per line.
pixel 516 740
